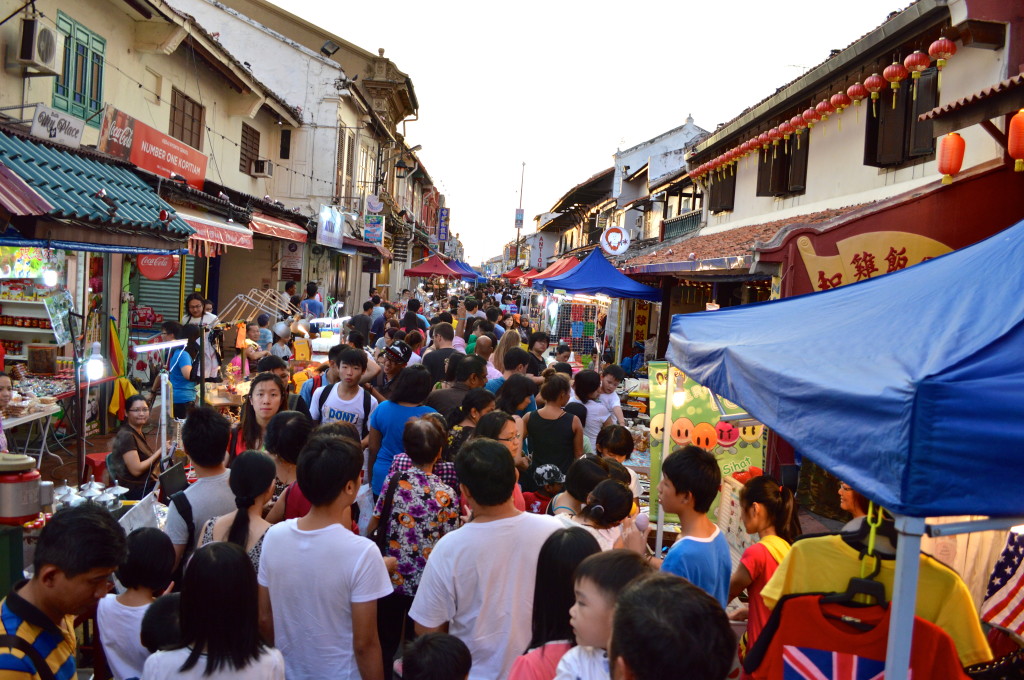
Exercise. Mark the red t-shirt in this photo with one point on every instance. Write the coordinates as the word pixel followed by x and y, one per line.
pixel 295 503
pixel 761 565
pixel 807 644
pixel 536 502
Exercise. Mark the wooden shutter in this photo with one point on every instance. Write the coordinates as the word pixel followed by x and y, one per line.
pixel 921 138
pixel 797 180
pixel 723 193
pixel 892 126
pixel 778 160
pixel 764 172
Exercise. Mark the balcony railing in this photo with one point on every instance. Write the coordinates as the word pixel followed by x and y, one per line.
pixel 682 224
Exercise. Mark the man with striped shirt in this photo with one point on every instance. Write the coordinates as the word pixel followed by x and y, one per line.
pixel 78 550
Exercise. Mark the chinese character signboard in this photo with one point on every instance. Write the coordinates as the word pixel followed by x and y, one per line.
pixel 373 229
pixel 131 140
pixel 865 256
pixel 442 224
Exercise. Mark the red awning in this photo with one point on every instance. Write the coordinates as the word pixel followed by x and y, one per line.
pixel 434 266
pixel 17 197
pixel 214 230
pixel 271 226
pixel 556 268
pixel 367 247
pixel 514 274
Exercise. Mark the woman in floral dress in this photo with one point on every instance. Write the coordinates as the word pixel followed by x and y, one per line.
pixel 414 511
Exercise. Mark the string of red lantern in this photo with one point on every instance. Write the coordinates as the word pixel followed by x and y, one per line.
pixel 874 84
pixel 941 50
pixel 916 62
pixel 895 73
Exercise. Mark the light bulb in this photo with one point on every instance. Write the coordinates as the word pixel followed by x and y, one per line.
pixel 49 278
pixel 94 367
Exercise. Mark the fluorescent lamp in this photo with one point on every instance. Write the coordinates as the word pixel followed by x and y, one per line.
pixel 49 278
pixel 139 349
pixel 94 367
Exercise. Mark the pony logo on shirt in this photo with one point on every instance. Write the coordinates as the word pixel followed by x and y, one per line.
pixel 806 663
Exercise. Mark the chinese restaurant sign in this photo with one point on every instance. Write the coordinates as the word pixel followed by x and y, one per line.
pixel 131 140
pixel 867 255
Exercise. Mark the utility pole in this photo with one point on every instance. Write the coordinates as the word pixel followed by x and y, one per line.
pixel 519 213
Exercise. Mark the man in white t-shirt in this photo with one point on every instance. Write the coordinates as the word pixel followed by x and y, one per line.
pixel 478 583
pixel 318 582
pixel 345 400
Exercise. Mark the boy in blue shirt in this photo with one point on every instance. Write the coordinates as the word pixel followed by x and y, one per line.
pixel 690 480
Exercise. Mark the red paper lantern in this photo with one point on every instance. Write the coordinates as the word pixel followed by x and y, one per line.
pixel 895 73
pixel 775 136
pixel 951 156
pixel 763 140
pixel 1015 141
pixel 941 50
pixel 811 116
pixel 798 123
pixel 857 92
pixel 840 100
pixel 825 109
pixel 787 129
pixel 916 62
pixel 874 84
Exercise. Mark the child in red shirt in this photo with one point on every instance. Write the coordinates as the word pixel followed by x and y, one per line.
pixel 549 480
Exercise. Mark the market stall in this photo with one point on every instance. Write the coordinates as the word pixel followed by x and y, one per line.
pixel 914 398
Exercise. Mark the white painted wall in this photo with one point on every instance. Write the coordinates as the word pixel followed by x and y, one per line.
pixel 658 151
pixel 836 174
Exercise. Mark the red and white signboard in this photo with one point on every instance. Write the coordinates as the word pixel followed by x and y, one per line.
pixel 158 267
pixel 131 140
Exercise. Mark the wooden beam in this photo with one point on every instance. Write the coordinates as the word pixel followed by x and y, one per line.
pixel 158 38
pixel 216 63
pixel 996 133
pixel 975 113
pixel 985 35
pixel 139 7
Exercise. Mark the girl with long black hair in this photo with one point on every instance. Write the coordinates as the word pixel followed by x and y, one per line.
pixel 252 482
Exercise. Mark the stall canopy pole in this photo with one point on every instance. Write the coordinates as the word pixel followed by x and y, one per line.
pixel 904 597
pixel 666 446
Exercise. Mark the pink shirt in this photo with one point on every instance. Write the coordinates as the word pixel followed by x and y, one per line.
pixel 540 663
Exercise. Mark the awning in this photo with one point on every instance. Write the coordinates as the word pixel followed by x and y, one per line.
pixel 17 197
pixel 271 226
pixel 214 233
pixel 366 247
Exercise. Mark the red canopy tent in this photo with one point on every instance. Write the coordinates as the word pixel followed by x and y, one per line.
pixel 513 274
pixel 433 266
pixel 556 268
pixel 530 274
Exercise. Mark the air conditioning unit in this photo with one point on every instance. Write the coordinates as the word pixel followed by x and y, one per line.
pixel 41 47
pixel 262 167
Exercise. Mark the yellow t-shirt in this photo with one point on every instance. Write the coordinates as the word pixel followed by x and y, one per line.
pixel 825 564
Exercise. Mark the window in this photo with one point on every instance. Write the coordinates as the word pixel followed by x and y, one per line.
pixel 723 191
pixel 186 120
pixel 250 148
pixel 78 89
pixel 350 165
pixel 894 135
pixel 782 169
pixel 286 145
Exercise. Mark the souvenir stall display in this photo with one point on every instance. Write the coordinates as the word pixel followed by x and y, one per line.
pixel 574 323
pixel 892 409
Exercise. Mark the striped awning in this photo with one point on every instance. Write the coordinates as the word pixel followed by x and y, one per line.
pixel 17 197
pixel 272 226
pixel 214 234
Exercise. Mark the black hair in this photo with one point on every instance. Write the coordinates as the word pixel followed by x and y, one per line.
pixel 587 383
pixel 451 365
pixel 194 296
pixel 127 402
pixel 161 624
pixel 367 306
pixel 615 371
pixel 491 425
pixel 444 330
pixel 423 440
pixel 262 320
pixel 471 304
pixel 538 336
pixel 326 466
pixel 612 570
pixel 219 611
pixel 79 539
pixel 477 399
pixel 578 410
pixel 487 470
pixel 615 439
pixel 334 353
pixel 356 339
pixel 585 473
pixel 350 356
pixel 289 284
pixel 414 338
pixel 249 426
pixel 287 432
pixel 562 348
pixel 270 362
pixel 436 656
pixel 512 392
pixel 173 328
pixel 777 501
pixel 413 305
pixel 252 473
pixel 248 325
pixel 410 321
pixel 555 385
pixel 617 470
pixel 412 385
pixel 311 289
pixel 191 333
pixel 493 314
pixel 483 326
pixel 375 300
pixel 205 436
pixel 514 358
pixel 338 428
pixel 663 623
pixel 150 561
pixel 446 317
pixel 468 366
pixel 562 367
pixel 553 593
pixel 608 504
pixel 694 470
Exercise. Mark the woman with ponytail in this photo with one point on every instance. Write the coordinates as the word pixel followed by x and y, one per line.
pixel 770 511
pixel 462 421
pixel 607 505
pixel 252 482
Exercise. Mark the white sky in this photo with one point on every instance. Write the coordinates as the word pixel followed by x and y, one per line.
pixel 561 84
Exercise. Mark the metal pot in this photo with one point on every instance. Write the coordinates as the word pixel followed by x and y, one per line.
pixel 22 491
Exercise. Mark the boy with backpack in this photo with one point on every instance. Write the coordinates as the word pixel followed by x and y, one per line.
pixel 345 400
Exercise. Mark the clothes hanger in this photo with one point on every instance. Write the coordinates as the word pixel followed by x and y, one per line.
pixel 866 586
pixel 886 530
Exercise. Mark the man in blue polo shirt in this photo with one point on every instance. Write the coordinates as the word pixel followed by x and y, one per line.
pixel 78 550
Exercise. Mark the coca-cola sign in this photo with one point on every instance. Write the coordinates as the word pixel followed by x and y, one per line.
pixel 131 140
pixel 158 267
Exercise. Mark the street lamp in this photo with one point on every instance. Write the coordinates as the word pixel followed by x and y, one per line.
pixel 401 169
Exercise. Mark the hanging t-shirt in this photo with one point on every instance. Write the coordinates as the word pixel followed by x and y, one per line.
pixel 480 579
pixel 336 409
pixel 120 626
pixel 810 642
pixel 824 564
pixel 704 562
pixel 313 616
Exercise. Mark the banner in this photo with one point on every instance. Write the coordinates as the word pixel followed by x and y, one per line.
pixel 373 229
pixel 131 140
pixel 330 227
pixel 57 126
pixel 443 215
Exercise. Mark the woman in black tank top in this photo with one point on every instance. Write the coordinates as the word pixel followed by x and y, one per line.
pixel 556 437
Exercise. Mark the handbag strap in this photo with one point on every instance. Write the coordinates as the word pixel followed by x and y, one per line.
pixel 385 511
pixel 43 670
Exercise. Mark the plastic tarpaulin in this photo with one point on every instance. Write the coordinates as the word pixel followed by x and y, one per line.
pixel 594 275
pixel 556 268
pixel 909 387
pixel 434 266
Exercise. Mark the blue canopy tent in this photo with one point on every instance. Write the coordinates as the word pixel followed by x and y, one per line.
pixel 594 275
pixel 909 387
pixel 470 272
